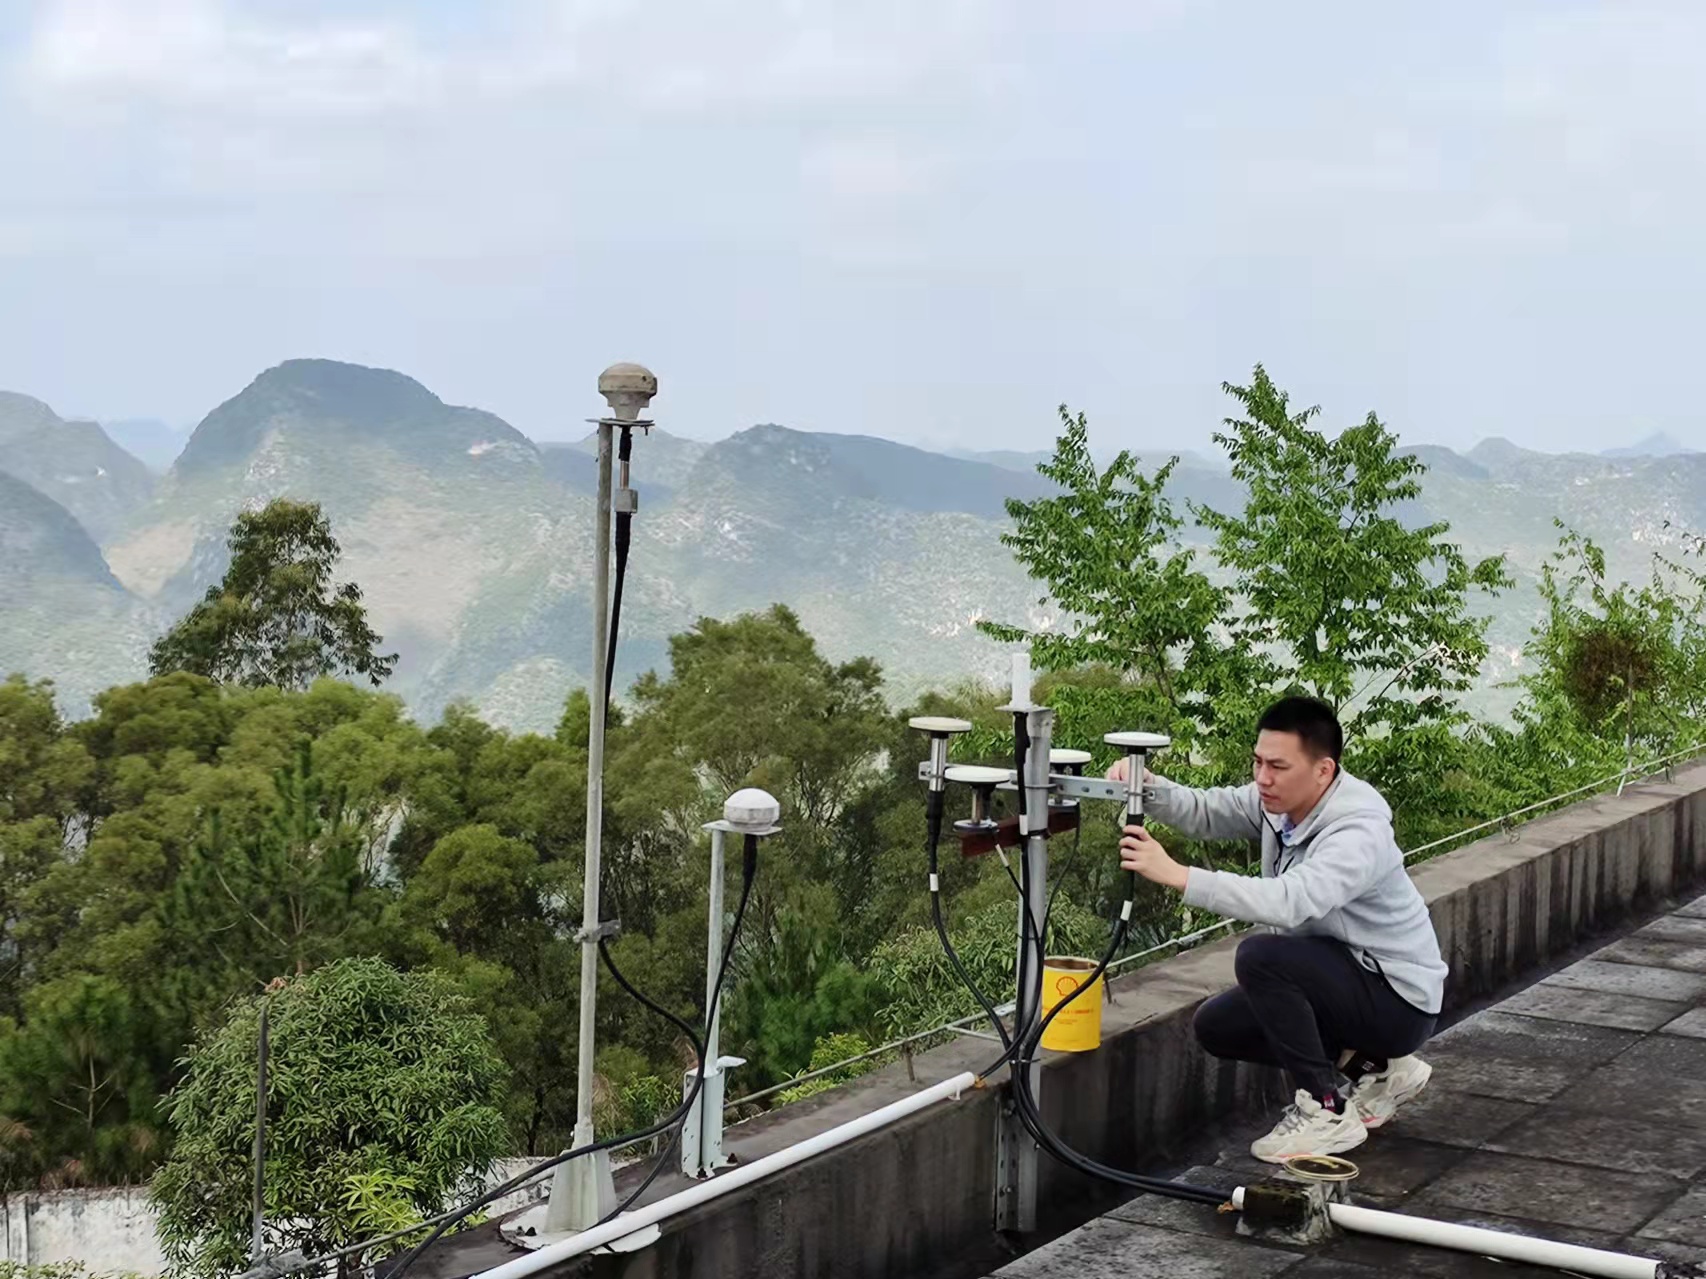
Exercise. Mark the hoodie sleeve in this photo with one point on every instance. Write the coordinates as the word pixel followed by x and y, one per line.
pixel 1341 865
pixel 1221 812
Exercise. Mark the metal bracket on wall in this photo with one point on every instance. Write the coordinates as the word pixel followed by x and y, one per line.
pixel 1015 1211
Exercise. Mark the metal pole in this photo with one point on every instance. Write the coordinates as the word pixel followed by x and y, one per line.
pixel 1021 704
pixel 714 950
pixel 1016 1151
pixel 701 1135
pixel 1040 726
pixel 255 1245
pixel 582 1190
pixel 594 793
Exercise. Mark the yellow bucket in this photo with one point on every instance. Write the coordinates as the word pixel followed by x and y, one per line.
pixel 1078 1029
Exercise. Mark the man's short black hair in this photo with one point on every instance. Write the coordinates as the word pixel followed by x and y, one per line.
pixel 1314 722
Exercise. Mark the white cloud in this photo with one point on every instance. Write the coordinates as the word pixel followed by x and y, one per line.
pixel 227 100
pixel 865 169
pixel 206 54
pixel 1102 201
pixel 681 57
pixel 1559 128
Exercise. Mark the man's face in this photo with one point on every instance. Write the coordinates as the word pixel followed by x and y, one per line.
pixel 1287 778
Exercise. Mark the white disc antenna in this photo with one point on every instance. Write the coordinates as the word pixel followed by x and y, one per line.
pixel 1139 741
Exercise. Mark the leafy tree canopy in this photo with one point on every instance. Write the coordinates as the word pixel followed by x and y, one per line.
pixel 384 1096
pixel 277 617
pixel 1336 588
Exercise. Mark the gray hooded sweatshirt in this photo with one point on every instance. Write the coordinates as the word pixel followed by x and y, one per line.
pixel 1338 874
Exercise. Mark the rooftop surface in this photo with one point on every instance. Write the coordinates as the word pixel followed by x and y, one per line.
pixel 1573 1110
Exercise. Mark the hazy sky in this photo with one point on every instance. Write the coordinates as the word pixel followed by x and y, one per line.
pixel 926 219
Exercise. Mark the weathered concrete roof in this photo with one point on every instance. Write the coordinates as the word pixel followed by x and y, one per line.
pixel 1574 1109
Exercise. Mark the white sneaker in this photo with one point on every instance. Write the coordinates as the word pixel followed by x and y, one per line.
pixel 1309 1128
pixel 1377 1097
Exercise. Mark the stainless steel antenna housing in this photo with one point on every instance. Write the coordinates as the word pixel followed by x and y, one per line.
pixel 983 782
pixel 1066 760
pixel 940 729
pixel 1136 746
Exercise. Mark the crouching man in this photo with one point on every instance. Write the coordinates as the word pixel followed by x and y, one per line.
pixel 1349 985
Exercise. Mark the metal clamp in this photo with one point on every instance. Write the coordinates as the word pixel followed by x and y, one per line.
pixel 641 423
pixel 610 928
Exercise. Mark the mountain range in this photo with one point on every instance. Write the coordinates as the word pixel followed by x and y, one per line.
pixel 472 543
pixel 1658 445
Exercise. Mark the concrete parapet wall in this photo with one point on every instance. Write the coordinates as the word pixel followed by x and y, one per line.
pixel 106 1229
pixel 113 1228
pixel 917 1199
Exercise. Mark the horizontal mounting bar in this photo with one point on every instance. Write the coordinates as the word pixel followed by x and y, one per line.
pixel 1066 784
pixel 643 423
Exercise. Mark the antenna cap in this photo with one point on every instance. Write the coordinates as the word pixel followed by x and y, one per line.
pixel 752 809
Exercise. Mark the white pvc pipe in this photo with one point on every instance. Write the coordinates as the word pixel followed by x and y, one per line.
pixel 651 1214
pixel 1493 1243
pixel 705 1151
pixel 1486 1243
pixel 1021 678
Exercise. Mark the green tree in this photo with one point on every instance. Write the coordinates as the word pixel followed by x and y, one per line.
pixel 180 714
pixel 829 1054
pixel 1620 669
pixel 45 775
pixel 44 770
pixel 277 617
pixel 750 701
pixel 285 896
pixel 1341 597
pixel 77 1096
pixel 806 730
pixel 488 852
pixel 130 902
pixel 526 786
pixel 1133 600
pixel 384 1097
pixel 798 988
pixel 489 911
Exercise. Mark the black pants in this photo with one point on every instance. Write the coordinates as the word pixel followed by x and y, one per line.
pixel 1302 1001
